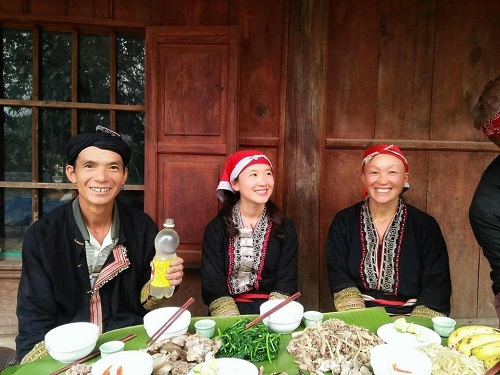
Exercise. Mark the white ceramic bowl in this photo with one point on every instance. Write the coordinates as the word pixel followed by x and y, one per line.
pixel 384 357
pixel 72 341
pixel 154 319
pixel 286 319
pixel 131 362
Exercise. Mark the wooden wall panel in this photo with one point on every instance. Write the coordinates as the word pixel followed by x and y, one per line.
pixel 49 7
pixel 461 37
pixel 407 32
pixel 449 195
pixel 341 187
pixel 194 77
pixel 196 12
pixel 418 162
pixel 262 38
pixel 353 46
pixel 12 6
pixel 304 113
pixel 84 8
pixel 134 10
pixel 191 90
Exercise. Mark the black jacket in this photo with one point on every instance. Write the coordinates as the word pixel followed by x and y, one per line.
pixel 54 284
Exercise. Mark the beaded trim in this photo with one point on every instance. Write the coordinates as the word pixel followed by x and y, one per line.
pixel 348 299
pixel 277 295
pixel 425 312
pixel 223 306
pixel 148 301
pixel 38 351
pixel 375 272
pixel 247 252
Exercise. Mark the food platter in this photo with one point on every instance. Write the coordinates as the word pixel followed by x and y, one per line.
pixel 370 318
pixel 231 366
pixel 391 335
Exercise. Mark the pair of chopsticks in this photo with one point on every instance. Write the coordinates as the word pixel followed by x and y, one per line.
pixel 90 356
pixel 274 309
pixel 169 322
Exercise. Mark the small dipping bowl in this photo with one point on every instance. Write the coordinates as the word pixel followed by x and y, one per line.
pixel 205 327
pixel 312 318
pixel 443 325
pixel 111 347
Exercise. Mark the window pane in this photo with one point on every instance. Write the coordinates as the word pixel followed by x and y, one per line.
pixel 88 120
pixel 56 66
pixel 93 69
pixel 55 130
pixel 15 217
pixel 130 70
pixel 132 197
pixel 131 126
pixel 15 144
pixel 17 68
pixel 52 198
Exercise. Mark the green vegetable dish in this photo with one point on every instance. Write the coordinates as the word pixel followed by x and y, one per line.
pixel 256 344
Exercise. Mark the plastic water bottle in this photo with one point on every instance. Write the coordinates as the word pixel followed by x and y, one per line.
pixel 166 242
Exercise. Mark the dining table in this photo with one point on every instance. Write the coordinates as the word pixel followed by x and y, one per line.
pixel 370 318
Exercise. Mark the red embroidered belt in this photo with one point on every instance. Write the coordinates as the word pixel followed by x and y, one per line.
pixel 249 297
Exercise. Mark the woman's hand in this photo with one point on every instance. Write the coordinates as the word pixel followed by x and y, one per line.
pixel 175 271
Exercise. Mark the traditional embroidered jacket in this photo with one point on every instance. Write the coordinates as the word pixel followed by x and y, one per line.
pixel 55 287
pixel 275 272
pixel 409 267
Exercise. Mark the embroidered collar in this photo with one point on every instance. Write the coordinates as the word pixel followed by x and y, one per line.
pixel 379 268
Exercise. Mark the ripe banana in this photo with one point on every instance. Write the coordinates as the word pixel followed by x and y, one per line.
pixel 486 350
pixel 470 342
pixel 491 361
pixel 465 331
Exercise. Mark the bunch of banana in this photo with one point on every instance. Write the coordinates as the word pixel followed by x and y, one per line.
pixel 483 342
pixel 466 331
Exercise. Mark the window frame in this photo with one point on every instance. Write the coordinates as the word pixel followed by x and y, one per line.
pixel 37 105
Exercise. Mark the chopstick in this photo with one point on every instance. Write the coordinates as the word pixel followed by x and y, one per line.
pixel 494 369
pixel 274 309
pixel 169 322
pixel 90 356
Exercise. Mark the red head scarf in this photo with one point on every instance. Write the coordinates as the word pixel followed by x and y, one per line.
pixel 236 164
pixel 491 128
pixel 393 150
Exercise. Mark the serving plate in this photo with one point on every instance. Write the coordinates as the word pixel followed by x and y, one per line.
pixel 391 335
pixel 389 359
pixel 130 362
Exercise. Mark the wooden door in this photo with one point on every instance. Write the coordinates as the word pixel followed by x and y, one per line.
pixel 191 125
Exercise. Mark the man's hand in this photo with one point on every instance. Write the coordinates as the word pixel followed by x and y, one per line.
pixel 175 271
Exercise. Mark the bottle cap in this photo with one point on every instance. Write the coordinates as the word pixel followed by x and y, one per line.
pixel 169 223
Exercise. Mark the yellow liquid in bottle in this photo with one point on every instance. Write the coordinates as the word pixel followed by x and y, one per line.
pixel 160 268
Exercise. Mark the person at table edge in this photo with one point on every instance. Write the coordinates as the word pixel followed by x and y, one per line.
pixel 484 209
pixel 250 249
pixel 89 259
pixel 384 252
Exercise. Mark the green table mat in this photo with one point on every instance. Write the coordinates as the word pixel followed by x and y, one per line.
pixel 370 318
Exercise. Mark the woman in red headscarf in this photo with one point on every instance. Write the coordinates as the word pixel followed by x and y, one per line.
pixel 384 252
pixel 250 248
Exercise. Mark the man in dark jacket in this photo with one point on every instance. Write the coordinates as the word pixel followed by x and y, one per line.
pixel 89 259
pixel 484 211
